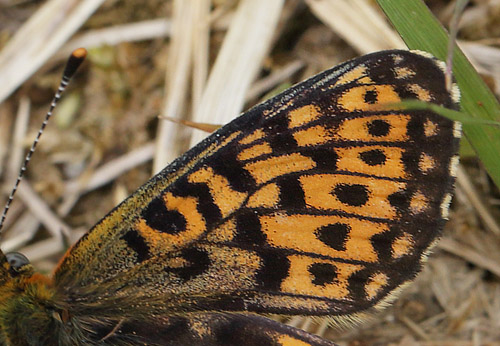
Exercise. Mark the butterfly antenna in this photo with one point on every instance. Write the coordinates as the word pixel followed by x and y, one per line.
pixel 209 128
pixel 74 61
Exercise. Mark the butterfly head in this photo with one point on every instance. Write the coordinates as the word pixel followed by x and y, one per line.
pixel 18 264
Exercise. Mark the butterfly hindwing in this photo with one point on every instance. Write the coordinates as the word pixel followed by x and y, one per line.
pixel 208 329
pixel 316 202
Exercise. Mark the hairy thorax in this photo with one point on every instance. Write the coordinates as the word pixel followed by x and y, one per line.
pixel 28 311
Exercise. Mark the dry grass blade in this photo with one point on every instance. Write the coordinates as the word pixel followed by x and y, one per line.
pixel 44 248
pixel 16 155
pixel 103 175
pixel 468 188
pixel 41 210
pixel 357 22
pixel 470 255
pixel 176 79
pixel 39 38
pixel 5 135
pixel 201 40
pixel 140 31
pixel 415 328
pixel 112 169
pixel 485 58
pixel 238 62
pixel 279 76
pixel 21 232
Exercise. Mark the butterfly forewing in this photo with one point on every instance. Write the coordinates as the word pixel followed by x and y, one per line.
pixel 319 201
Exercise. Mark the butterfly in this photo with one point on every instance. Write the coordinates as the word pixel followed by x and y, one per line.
pixel 319 201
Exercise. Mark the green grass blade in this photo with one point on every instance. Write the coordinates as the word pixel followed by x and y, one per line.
pixel 451 114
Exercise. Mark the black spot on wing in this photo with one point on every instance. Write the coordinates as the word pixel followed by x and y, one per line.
pixel 334 235
pixel 226 163
pixel 415 129
pixel 355 195
pixel 137 243
pixel 325 158
pixel 274 269
pixel 323 273
pixel 157 216
pixel 248 229
pixel 378 128
pixel 279 136
pixel 291 193
pixel 382 242
pixel 373 157
pixel 237 332
pixel 206 206
pixel 198 263
pixel 410 159
pixel 371 96
pixel 400 200
pixel 357 283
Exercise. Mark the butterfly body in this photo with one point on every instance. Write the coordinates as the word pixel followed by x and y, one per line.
pixel 25 301
pixel 316 202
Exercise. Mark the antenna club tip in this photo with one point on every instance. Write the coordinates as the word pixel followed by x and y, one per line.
pixel 75 60
pixel 79 53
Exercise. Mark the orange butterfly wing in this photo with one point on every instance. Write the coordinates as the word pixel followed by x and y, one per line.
pixel 315 202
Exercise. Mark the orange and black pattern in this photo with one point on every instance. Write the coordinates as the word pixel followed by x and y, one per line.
pixel 320 201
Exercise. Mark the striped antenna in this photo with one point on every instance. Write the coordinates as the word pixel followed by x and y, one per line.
pixel 74 61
